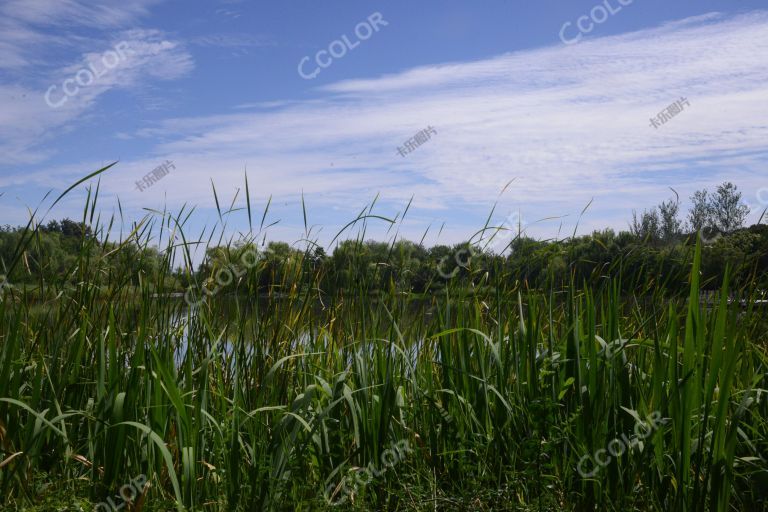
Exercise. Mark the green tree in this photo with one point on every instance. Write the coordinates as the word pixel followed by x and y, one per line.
pixel 670 226
pixel 700 214
pixel 728 211
pixel 647 227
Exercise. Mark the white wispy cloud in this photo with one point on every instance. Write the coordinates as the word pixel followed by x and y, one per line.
pixel 571 123
pixel 31 30
pixel 232 40
pixel 33 110
pixel 95 13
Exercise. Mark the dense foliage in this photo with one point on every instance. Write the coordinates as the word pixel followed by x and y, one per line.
pixel 403 266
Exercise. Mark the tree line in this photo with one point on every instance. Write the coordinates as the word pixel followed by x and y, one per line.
pixel 656 248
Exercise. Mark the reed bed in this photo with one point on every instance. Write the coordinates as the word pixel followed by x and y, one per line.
pixel 289 399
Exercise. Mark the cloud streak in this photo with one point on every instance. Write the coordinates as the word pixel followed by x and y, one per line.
pixel 33 113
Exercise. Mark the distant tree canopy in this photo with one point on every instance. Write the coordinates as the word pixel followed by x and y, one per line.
pixel 68 228
pixel 721 212
pixel 726 209
pixel 53 253
pixel 657 248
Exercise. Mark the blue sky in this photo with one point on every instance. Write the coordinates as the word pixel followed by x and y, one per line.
pixel 214 86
